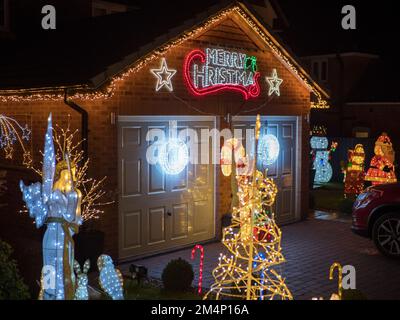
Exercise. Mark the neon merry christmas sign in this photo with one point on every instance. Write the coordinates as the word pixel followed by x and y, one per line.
pixel 215 70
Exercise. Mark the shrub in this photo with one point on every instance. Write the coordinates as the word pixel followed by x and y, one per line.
pixel 12 286
pixel 178 275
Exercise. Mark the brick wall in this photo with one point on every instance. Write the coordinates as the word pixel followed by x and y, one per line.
pixel 136 96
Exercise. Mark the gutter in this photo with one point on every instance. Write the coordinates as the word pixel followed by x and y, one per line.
pixel 84 124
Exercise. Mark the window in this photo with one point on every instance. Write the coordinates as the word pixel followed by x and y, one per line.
pixel 320 70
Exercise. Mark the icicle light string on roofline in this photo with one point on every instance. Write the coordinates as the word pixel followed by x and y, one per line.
pixel 31 95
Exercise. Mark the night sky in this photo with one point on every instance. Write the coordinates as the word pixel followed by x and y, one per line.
pixel 318 22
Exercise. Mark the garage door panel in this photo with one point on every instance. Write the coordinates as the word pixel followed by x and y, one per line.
pixel 202 174
pixel 287 131
pixel 180 221
pixel 286 195
pixel 156 225
pixel 132 229
pixel 179 182
pixel 132 181
pixel 131 136
pixel 287 160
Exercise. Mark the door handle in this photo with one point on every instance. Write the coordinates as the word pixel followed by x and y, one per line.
pixel 169 214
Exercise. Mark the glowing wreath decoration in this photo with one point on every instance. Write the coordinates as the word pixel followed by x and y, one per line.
pixel 173 156
pixel 268 150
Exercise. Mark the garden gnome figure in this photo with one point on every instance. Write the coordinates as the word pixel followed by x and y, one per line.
pixel 381 170
pixel 57 204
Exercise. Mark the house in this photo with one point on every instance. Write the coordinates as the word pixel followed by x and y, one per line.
pixel 115 77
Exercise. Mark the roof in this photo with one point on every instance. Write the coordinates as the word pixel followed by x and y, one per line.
pixel 89 53
pixel 379 83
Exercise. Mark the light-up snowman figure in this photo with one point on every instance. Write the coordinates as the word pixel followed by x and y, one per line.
pixel 323 169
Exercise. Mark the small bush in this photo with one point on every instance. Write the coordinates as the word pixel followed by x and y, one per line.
pixel 12 286
pixel 346 206
pixel 178 275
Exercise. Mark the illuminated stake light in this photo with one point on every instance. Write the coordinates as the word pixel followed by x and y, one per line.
pixel 274 84
pixel 201 249
pixel 173 156
pixel 215 70
pixel 164 76
pixel 268 150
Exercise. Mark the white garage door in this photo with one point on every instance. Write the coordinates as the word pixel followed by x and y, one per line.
pixel 284 170
pixel 159 212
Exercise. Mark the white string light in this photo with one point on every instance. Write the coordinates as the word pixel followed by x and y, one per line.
pixel 164 76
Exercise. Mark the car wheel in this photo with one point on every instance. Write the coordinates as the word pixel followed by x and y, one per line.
pixel 386 235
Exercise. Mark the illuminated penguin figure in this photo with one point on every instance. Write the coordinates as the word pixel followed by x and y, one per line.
pixel 110 278
pixel 57 204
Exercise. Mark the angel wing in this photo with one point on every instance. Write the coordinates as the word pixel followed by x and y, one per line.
pixel 49 162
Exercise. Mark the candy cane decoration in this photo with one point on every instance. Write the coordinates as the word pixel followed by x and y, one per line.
pixel 201 248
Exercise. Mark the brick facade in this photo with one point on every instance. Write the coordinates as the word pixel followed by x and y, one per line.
pixel 136 96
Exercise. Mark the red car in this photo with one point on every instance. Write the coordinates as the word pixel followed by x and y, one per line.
pixel 376 215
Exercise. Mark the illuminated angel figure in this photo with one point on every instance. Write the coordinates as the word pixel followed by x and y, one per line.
pixel 12 132
pixel 56 203
pixel 254 245
pixel 110 278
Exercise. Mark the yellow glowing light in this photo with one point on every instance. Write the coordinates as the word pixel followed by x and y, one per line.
pixel 337 266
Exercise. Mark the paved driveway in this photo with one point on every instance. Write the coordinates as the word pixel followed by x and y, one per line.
pixel 310 247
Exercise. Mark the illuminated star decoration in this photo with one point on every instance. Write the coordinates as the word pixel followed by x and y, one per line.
pixel 26 133
pixel 274 84
pixel 164 76
pixel 11 133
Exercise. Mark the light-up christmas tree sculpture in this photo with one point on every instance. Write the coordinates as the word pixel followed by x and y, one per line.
pixel 254 244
